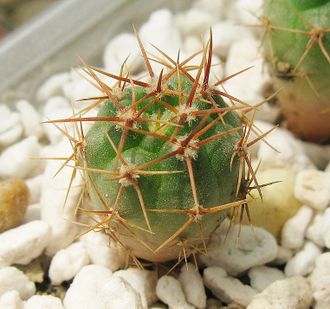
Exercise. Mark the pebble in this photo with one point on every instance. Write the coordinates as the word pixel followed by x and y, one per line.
pixel 278 203
pixel 118 293
pixel 43 302
pixel 248 85
pixel 303 261
pixel 213 303
pixel 52 86
pixel 104 251
pixel 319 154
pixel 66 263
pixel 245 12
pixel 294 230
pixel 11 300
pixel 283 255
pixel 313 188
pixel 118 49
pixel 160 30
pixel 32 213
pixel 192 284
pixel 11 128
pixel 290 293
pixel 320 281
pixel 30 119
pixel 80 86
pixel 13 279
pixel 20 160
pixel 253 248
pixel 58 214
pixel 263 276
pixel 34 185
pixel 14 195
pixel 142 281
pixel 194 22
pixel 226 288
pixel 56 108
pixel 169 291
pixel 215 8
pixel 289 151
pixel 24 243
pixel 318 228
pixel 86 286
pixel 226 33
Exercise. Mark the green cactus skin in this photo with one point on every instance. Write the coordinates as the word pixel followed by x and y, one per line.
pixel 297 50
pixel 165 159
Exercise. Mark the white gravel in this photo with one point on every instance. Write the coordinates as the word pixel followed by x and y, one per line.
pixel 257 272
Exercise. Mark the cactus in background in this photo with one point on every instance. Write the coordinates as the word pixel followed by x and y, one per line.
pixel 165 160
pixel 297 49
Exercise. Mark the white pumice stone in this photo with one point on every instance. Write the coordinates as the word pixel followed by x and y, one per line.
pixel 86 286
pixel 11 300
pixel 193 22
pixel 32 213
pixel 20 159
pixel 118 49
pixel 118 293
pixel 80 86
pixel 104 251
pixel 57 207
pixel 192 44
pixel 11 126
pixel 56 108
pixel 52 86
pixel 192 284
pixel 289 293
pixel 254 248
pixel 142 281
pixel 34 185
pixel 248 85
pixel 293 231
pixel 43 302
pixel 169 291
pixel 313 188
pixel 326 234
pixel 160 30
pixel 303 261
pixel 283 255
pixel 289 151
pixel 225 33
pixel 30 119
pixel 215 8
pixel 245 12
pixel 11 136
pixel 13 279
pixel 226 288
pixel 318 227
pixel 263 276
pixel 24 243
pixel 320 281
pixel 66 263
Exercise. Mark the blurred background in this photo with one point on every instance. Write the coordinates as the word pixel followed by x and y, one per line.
pixel 14 13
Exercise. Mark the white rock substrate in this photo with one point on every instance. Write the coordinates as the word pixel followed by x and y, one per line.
pixel 49 227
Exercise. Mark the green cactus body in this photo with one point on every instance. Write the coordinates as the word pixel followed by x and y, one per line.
pixel 298 52
pixel 151 167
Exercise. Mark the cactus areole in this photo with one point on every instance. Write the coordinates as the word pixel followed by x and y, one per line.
pixel 164 160
pixel 297 49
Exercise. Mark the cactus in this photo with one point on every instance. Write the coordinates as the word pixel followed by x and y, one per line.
pixel 166 159
pixel 297 49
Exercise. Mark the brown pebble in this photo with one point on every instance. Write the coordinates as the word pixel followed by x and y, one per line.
pixel 14 196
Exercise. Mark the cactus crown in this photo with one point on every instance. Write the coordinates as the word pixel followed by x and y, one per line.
pixel 165 158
